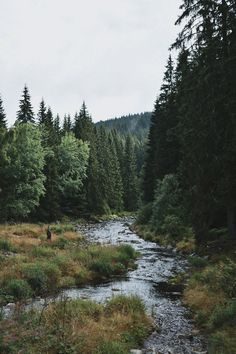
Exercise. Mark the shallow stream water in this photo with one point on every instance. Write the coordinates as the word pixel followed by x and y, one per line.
pixel 175 333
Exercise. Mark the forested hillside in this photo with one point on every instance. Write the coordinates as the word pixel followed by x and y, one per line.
pixel 135 124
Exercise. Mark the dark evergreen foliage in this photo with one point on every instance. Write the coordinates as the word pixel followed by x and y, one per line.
pixel 25 113
pixel 3 122
pixel 193 127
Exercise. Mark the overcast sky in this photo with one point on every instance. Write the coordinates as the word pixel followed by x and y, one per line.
pixel 110 53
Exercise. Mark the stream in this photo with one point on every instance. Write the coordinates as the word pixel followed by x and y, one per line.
pixel 175 331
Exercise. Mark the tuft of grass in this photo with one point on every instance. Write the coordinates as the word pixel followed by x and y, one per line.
pixel 78 326
pixel 5 245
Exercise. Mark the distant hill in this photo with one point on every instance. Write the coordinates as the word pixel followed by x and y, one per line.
pixel 135 124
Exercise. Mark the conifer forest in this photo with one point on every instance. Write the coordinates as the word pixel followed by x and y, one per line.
pixel 119 236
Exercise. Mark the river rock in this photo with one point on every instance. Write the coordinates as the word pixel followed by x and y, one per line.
pixel 136 351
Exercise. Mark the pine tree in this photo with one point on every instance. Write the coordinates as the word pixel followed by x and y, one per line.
pixel 42 112
pixel 57 129
pixel 83 125
pixel 115 200
pixel 162 155
pixel 3 122
pixel 67 124
pixel 130 178
pixel 25 113
pixel 49 208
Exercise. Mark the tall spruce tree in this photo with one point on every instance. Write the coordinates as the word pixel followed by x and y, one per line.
pixel 83 125
pixel 25 113
pixel 42 113
pixel 162 156
pixel 67 124
pixel 130 178
pixel 49 208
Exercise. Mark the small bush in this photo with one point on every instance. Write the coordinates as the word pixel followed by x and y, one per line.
pixel 198 262
pixel 35 276
pixel 128 250
pixel 18 288
pixel 144 214
pixel 53 274
pixel 62 243
pixel 102 267
pixel 172 226
pixel 224 315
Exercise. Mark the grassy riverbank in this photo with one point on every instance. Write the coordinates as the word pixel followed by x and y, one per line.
pixel 185 243
pixel 79 326
pixel 211 294
pixel 210 285
pixel 32 266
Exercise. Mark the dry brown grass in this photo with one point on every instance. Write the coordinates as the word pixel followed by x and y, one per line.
pixel 200 298
pixel 26 254
pixel 82 327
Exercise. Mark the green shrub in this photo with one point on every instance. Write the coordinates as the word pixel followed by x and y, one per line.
pixel 198 262
pixel 172 226
pixel 53 274
pixel 128 250
pixel 144 214
pixel 224 315
pixel 18 288
pixel 166 204
pixel 35 276
pixel 42 277
pixel 62 243
pixel 102 267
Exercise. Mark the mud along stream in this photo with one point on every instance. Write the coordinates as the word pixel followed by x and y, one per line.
pixel 175 330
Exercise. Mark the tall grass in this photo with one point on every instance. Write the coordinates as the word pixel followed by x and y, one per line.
pixel 79 326
pixel 46 266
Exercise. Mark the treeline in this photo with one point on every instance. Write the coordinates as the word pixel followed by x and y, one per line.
pixel 136 124
pixel 190 168
pixel 48 170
